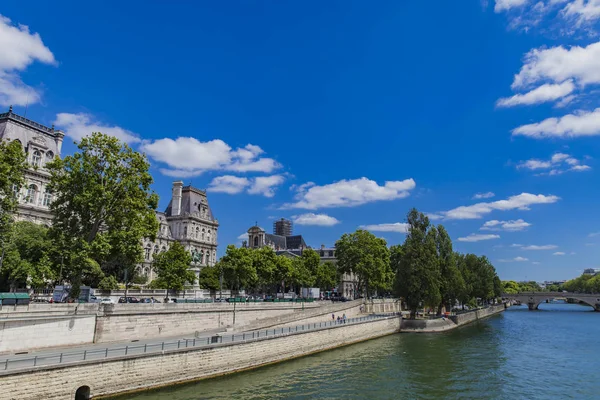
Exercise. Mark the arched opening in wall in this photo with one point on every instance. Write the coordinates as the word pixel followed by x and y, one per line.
pixel 255 241
pixel 82 393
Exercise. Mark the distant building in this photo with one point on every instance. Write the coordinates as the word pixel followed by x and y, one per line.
pixel 591 271
pixel 189 220
pixel 41 145
pixel 282 227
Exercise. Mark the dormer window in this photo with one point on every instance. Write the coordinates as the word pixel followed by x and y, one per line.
pixel 36 158
pixel 49 156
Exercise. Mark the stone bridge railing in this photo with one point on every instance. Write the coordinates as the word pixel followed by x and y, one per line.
pixel 534 299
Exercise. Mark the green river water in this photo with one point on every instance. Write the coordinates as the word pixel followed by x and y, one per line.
pixel 549 354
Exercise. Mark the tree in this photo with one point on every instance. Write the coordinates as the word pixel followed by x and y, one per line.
pixel 27 262
pixel 301 275
pixel 367 257
pixel 326 276
pixel 108 283
pixel 417 265
pixel 452 284
pixel 238 268
pixel 103 208
pixel 172 267
pixel 12 165
pixel 284 271
pixel 209 278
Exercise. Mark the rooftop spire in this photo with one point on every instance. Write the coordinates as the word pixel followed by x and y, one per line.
pixel 10 109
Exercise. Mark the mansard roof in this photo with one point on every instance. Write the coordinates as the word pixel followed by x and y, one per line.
pixel 192 200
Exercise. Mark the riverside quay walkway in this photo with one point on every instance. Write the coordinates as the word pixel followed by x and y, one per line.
pixel 534 299
pixel 79 354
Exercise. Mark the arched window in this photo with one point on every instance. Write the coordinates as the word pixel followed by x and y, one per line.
pixel 47 199
pixel 208 236
pixel 164 248
pixel 185 231
pixel 36 158
pixel 147 250
pixel 49 156
pixel 203 233
pixel 255 241
pixel 16 191
pixel 31 194
pixel 197 232
pixel 155 249
pixel 201 256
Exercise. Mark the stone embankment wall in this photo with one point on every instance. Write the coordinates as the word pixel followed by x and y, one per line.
pixel 454 321
pixel 144 372
pixel 23 334
pixel 380 306
pixel 68 324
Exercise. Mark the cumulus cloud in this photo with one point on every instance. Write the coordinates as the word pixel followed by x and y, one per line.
pixel 519 202
pixel 243 236
pixel 583 11
pixel 349 193
pixel 20 48
pixel 77 126
pixel 485 195
pixel 559 253
pixel 578 124
pixel 399 227
pixel 516 259
pixel 543 247
pixel 594 234
pixel 315 219
pixel 263 185
pixel 474 237
pixel 190 157
pixel 228 184
pixel 557 164
pixel 545 93
pixel 514 225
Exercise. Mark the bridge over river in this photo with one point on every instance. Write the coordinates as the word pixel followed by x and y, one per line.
pixel 534 299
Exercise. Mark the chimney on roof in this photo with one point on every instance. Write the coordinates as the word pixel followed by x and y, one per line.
pixel 176 202
pixel 322 246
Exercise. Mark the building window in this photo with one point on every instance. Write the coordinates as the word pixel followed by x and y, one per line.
pixel 147 252
pixel 49 156
pixel 185 231
pixel 36 158
pixel 330 253
pixel 202 233
pixel 208 236
pixel 47 199
pixel 163 249
pixel 155 250
pixel 15 190
pixel 255 241
pixel 197 233
pixel 31 194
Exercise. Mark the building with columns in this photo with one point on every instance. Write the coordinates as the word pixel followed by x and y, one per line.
pixel 189 220
pixel 41 144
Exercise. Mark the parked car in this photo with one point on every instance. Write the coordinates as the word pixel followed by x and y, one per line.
pixel 107 300
pixel 128 300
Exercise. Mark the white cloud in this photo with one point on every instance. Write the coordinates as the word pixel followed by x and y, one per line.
pixel 20 48
pixel 474 237
pixel 243 236
pixel 349 193
pixel 542 94
pixel 536 262
pixel 559 253
pixel 190 157
pixel 516 245
pixel 228 184
pixel 520 202
pixel 516 259
pixel 265 185
pixel 536 247
pixel 399 227
pixel 583 10
pixel 77 126
pixel 594 234
pixel 505 5
pixel 558 163
pixel 559 64
pixel 485 195
pixel 583 123
pixel 315 219
pixel 514 225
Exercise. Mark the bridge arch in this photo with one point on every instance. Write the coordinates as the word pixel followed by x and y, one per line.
pixel 534 299
pixel 83 393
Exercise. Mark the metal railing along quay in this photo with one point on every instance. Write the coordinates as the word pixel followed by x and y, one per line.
pixel 72 357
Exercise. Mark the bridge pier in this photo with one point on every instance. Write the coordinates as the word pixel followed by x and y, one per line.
pixel 597 307
pixel 533 306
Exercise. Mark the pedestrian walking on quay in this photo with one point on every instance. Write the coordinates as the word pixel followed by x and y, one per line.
pixel 333 317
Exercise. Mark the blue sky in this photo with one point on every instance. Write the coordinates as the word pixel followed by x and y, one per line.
pixel 340 114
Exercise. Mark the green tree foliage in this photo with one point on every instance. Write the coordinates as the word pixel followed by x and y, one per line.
pixel 367 257
pixel 238 268
pixel 209 278
pixel 172 267
pixel 108 283
pixel 27 262
pixel 103 208
pixel 583 284
pixel 12 165
pixel 513 287
pixel 301 275
pixel 416 264
pixel 327 276
pixel 452 284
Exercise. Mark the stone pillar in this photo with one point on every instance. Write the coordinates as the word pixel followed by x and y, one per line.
pixel 597 307
pixel 176 201
pixel 533 306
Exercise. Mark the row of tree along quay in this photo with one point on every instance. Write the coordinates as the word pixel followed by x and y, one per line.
pixel 104 206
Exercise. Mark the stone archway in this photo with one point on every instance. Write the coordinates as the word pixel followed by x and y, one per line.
pixel 83 393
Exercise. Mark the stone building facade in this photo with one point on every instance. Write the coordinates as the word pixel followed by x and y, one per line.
pixel 41 144
pixel 189 220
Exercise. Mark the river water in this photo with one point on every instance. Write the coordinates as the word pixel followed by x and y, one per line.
pixel 549 354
